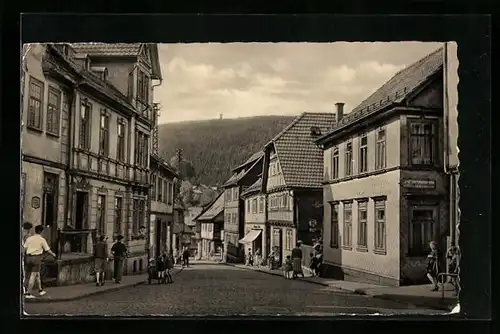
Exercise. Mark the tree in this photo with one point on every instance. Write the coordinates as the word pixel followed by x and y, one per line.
pixel 207 196
pixel 186 193
pixel 186 170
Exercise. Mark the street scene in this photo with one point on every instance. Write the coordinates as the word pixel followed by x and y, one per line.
pixel 298 179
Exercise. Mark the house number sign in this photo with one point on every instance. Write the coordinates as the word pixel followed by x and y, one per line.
pixel 35 202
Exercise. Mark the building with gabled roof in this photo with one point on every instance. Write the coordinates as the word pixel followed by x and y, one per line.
pixel 243 176
pixel 385 191
pixel 211 222
pixel 292 179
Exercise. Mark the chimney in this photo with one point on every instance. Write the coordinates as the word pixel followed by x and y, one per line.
pixel 340 111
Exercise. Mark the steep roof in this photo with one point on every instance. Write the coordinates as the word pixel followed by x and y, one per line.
pixel 237 176
pixel 300 159
pixel 108 49
pixel 212 210
pixel 252 158
pixel 253 188
pixel 397 89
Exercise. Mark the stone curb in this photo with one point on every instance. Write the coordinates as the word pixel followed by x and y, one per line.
pixel 91 293
pixel 357 291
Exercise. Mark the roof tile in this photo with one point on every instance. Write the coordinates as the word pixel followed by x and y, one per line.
pixel 300 159
pixel 107 49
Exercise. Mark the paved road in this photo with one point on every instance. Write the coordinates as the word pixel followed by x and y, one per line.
pixel 211 289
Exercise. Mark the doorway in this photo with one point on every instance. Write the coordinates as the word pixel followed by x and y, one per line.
pixel 78 242
pixel 49 208
pixel 277 242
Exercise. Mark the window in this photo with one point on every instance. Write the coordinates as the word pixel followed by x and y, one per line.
pixel 234 218
pixel 421 229
pixel 248 206
pixel 141 149
pixel 380 225
pixel 289 239
pixel 261 205
pixel 142 87
pixel 422 143
pixel 236 194
pixel 85 119
pixel 363 154
pixel 118 215
pixel 285 201
pixel 335 163
pixel 165 191
pixel 53 111
pixel 362 224
pixel 347 234
pixel 135 216
pixel 160 189
pixel 348 159
pixel 334 229
pixel 35 104
pixel 104 134
pixel 153 187
pixel 210 227
pixel 254 205
pixel 101 215
pixel 380 156
pixel 120 149
pixel 170 199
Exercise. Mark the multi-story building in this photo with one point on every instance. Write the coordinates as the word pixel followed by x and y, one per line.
pixel 211 221
pixel 162 205
pixel 243 176
pixel 292 179
pixel 93 104
pixel 256 230
pixel 385 191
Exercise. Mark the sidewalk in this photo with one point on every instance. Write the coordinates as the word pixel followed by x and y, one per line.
pixel 416 295
pixel 79 291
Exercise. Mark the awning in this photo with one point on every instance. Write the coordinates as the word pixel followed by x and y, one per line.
pixel 250 237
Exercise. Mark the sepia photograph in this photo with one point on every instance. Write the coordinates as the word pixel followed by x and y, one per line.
pixel 239 179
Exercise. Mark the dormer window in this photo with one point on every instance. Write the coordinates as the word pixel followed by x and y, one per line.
pixel 315 131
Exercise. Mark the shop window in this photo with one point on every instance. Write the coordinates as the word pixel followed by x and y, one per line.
pixel 289 239
pixel 347 231
pixel 334 225
pixel 380 224
pixel 362 224
pixel 422 222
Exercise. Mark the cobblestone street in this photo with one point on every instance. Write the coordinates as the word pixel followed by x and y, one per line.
pixel 217 289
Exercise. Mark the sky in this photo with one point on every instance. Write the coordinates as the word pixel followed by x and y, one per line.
pixel 203 80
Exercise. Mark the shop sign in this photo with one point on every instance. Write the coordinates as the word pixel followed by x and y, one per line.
pixel 419 184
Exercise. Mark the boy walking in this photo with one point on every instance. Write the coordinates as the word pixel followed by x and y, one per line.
pixel 119 251
pixel 35 246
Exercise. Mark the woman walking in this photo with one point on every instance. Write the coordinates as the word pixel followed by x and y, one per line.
pixel 432 266
pixel 297 260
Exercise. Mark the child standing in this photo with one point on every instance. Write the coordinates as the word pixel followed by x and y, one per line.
pixel 288 269
pixel 169 266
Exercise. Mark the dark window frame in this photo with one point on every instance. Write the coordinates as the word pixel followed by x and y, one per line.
pixel 427 141
pixel 425 226
pixel 35 104
pixel 117 226
pixel 380 234
pixel 53 111
pixel 348 159
pixel 334 225
pixel 363 154
pixel 120 141
pixel 347 225
pixel 104 120
pixel 363 224
pixel 335 163
pixel 85 125
pixel 101 214
pixel 380 149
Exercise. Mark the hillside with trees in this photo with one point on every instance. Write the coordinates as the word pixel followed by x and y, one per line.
pixel 212 148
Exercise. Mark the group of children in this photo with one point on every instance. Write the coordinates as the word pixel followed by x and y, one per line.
pixel 160 268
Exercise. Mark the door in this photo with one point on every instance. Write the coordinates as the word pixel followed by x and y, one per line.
pixel 78 242
pixel 49 209
pixel 277 241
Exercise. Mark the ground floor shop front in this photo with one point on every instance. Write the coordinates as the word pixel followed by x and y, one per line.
pixel 211 248
pixel 282 239
pixel 255 239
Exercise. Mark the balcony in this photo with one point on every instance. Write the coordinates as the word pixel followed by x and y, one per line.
pixel 100 166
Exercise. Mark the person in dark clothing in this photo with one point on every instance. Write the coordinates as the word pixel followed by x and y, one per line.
pixel 185 257
pixel 169 263
pixel 297 260
pixel 119 251
pixel 160 269
pixel 100 260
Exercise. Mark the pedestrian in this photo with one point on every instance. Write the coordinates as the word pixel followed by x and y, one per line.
pixel 432 265
pixel 185 257
pixel 119 251
pixel 270 260
pixel 35 247
pixel 101 257
pixel 297 260
pixel 316 257
pixel 169 266
pixel 453 256
pixel 26 233
pixel 258 258
pixel 288 267
pixel 161 268
pixel 249 261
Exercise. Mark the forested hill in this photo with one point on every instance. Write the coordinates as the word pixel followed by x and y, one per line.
pixel 216 146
